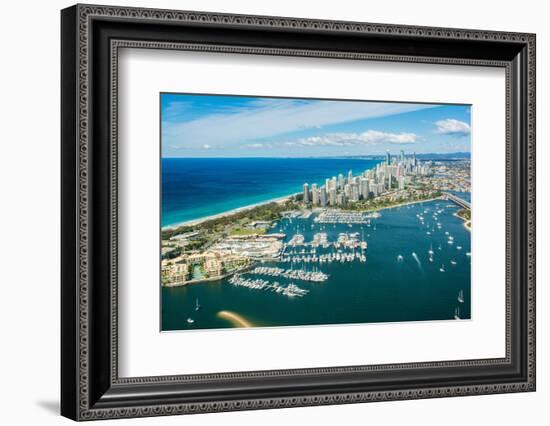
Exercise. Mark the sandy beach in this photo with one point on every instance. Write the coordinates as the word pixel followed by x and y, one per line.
pixel 235 319
pixel 229 212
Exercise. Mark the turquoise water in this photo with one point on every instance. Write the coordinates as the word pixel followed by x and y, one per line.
pixel 382 289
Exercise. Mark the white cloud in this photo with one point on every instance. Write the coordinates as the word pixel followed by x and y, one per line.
pixel 258 145
pixel 368 137
pixel 453 127
pixel 206 146
pixel 274 117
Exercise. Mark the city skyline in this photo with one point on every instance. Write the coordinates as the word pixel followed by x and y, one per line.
pixel 236 126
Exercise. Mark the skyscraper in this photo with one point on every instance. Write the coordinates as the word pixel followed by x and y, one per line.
pixel 306 193
pixel 323 196
pixel 388 158
pixel 354 192
pixel 333 183
pixel 350 177
pixel 332 196
pixel 402 157
pixel 364 186
pixel 314 194
pixel 401 181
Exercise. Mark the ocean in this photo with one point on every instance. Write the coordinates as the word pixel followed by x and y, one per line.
pixel 197 187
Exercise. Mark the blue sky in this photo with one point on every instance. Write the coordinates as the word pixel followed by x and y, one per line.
pixel 238 126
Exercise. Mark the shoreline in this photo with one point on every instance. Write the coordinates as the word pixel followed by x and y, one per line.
pixel 467 222
pixel 405 203
pixel 198 221
pixel 203 219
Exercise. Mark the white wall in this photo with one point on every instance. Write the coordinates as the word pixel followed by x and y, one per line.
pixel 29 213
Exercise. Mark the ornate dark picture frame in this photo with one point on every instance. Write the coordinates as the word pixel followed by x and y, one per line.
pixel 90 38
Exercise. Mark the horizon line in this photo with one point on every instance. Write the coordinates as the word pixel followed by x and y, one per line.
pixel 326 156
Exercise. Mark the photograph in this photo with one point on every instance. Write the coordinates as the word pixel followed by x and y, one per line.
pixel 279 211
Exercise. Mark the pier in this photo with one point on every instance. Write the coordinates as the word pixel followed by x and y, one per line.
pixel 291 290
pixel 295 274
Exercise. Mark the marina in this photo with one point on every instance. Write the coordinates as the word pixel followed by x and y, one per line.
pixel 295 274
pixel 291 290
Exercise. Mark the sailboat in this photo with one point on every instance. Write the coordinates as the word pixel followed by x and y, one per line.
pixel 190 320
pixel 460 297
pixel 197 305
pixel 442 269
pixel 457 313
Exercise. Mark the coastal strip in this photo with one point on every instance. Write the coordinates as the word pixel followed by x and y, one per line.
pixel 235 319
pixel 194 222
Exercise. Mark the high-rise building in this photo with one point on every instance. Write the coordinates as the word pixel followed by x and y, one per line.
pixel 401 182
pixel 364 187
pixel 354 192
pixel 402 157
pixel 340 199
pixel 341 181
pixel 332 196
pixel 314 195
pixel 388 158
pixel 374 190
pixel 323 196
pixel 399 170
pixel 350 176
pixel 333 183
pixel 347 190
pixel 306 193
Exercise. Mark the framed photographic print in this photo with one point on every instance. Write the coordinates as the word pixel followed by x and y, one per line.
pixel 265 212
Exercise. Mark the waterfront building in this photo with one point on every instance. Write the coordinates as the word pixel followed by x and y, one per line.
pixel 341 181
pixel 381 188
pixel 350 177
pixel 306 193
pixel 213 265
pixel 374 190
pixel 364 187
pixel 347 190
pixel 323 196
pixel 314 194
pixel 354 192
pixel 174 272
pixel 340 199
pixel 333 183
pixel 332 196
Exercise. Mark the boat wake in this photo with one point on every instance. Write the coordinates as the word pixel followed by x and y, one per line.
pixel 415 257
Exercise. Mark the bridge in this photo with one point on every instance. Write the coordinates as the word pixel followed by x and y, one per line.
pixel 461 202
